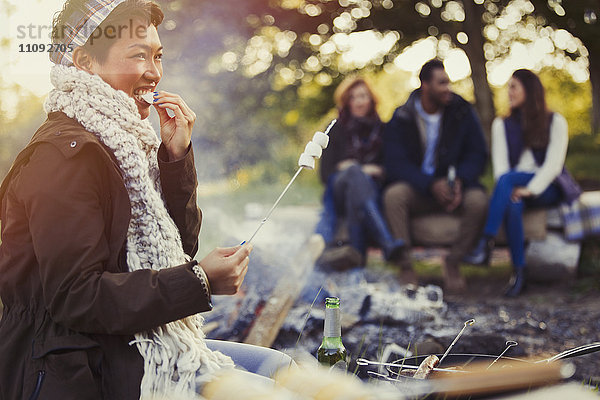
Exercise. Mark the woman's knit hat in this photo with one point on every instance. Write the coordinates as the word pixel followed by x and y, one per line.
pixel 78 28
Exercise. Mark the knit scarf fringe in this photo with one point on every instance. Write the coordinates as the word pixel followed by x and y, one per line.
pixel 176 358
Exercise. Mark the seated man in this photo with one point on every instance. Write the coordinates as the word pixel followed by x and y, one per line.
pixel 434 154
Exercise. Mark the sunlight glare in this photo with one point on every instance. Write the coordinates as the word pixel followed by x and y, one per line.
pixel 30 24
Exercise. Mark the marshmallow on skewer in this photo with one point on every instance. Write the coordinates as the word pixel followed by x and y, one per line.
pixel 306 161
pixel 313 149
pixel 321 139
pixel 148 97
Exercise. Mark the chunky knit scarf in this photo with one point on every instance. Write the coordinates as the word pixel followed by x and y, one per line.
pixel 175 355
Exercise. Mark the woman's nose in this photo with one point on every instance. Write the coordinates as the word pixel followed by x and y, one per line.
pixel 153 72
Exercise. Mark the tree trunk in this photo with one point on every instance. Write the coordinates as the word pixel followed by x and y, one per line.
pixel 594 68
pixel 484 100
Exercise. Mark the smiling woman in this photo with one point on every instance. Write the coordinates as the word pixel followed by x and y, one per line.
pixel 100 224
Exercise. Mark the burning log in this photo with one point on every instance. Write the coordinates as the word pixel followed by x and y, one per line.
pixel 270 319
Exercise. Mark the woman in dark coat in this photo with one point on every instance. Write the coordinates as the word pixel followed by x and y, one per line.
pixel 353 176
pixel 100 224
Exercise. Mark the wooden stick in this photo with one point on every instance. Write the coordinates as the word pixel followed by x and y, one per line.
pixel 504 377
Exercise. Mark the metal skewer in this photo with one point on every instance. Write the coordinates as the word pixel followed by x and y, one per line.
pixel 467 323
pixel 264 220
pixel 509 344
pixel 364 361
pixel 274 205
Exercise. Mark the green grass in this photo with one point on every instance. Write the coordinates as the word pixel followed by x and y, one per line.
pixel 433 270
pixel 589 267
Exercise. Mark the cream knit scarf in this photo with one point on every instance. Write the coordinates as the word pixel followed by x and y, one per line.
pixel 175 355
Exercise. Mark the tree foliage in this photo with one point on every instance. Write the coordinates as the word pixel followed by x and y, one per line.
pixel 260 74
pixel 580 18
pixel 318 34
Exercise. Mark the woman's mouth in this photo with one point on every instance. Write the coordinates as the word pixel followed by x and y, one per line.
pixel 144 96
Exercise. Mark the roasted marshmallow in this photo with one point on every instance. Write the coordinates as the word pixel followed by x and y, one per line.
pixel 313 149
pixel 148 97
pixel 321 139
pixel 306 161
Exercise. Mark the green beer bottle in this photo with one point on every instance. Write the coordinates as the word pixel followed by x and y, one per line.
pixel 332 352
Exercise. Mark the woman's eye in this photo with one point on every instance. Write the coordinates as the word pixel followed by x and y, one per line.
pixel 159 56
pixel 140 55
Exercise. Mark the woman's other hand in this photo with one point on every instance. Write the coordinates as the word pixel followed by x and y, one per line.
pixel 519 192
pixel 372 170
pixel 226 267
pixel 176 131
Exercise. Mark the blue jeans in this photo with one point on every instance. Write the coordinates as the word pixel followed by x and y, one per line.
pixel 253 363
pixel 328 220
pixel 346 194
pixel 502 209
pixel 258 360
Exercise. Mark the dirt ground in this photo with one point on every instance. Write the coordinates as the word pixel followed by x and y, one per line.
pixel 546 319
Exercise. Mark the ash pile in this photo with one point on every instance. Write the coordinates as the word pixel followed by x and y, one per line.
pixel 385 321
pixel 376 312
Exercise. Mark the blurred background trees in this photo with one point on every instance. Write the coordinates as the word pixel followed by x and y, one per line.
pixel 580 18
pixel 260 74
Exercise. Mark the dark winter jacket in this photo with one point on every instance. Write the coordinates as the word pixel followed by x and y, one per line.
pixel 358 139
pixel 70 305
pixel 461 143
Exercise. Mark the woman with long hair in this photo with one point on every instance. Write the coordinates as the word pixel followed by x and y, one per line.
pixel 100 224
pixel 528 153
pixel 353 176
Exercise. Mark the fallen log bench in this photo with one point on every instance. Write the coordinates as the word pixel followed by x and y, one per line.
pixel 548 255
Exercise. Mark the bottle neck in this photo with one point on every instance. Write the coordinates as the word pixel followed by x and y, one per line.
pixel 333 326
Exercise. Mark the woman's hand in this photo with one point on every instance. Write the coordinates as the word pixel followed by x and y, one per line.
pixel 345 164
pixel 226 267
pixel 519 192
pixel 372 170
pixel 176 131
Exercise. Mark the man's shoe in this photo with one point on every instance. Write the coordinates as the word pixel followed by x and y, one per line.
pixel 480 255
pixel 340 258
pixel 454 283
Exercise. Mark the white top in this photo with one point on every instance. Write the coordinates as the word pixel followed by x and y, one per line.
pixel 429 136
pixel 555 154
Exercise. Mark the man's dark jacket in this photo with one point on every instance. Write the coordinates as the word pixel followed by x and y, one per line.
pixel 461 143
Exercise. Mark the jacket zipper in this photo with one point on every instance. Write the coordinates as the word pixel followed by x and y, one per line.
pixel 38 385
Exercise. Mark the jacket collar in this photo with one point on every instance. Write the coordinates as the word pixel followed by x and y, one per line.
pixel 456 106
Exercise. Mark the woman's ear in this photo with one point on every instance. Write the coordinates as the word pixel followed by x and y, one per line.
pixel 82 60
